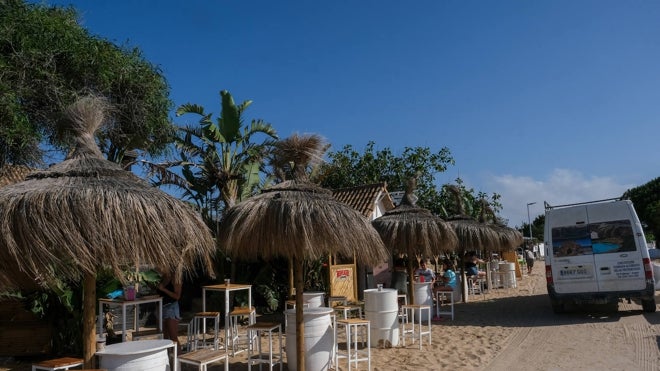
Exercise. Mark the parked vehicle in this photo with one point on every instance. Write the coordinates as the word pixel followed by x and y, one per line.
pixel 596 253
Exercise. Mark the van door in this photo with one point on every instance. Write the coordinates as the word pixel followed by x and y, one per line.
pixel 573 267
pixel 617 257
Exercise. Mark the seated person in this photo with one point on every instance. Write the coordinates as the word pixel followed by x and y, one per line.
pixel 427 273
pixel 471 262
pixel 448 280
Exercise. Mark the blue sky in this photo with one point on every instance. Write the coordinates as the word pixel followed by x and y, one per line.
pixel 555 101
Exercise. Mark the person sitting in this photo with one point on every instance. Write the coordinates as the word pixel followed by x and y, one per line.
pixel 448 280
pixel 425 274
pixel 471 263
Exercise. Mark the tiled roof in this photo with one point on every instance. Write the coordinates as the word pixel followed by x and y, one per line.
pixel 10 174
pixel 363 198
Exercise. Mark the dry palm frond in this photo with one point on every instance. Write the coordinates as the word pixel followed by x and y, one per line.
pixel 293 157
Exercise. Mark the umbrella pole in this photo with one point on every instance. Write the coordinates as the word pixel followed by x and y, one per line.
pixel 291 283
pixel 89 323
pixel 300 323
pixel 411 281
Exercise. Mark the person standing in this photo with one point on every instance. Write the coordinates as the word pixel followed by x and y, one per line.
pixel 424 271
pixel 171 293
pixel 529 257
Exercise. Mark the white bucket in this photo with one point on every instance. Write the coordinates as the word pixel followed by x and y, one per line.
pixel 319 338
pixel 141 355
pixel 314 299
pixel 507 267
pixel 423 296
pixel 381 308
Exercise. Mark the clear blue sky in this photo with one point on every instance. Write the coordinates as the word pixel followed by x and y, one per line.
pixel 555 101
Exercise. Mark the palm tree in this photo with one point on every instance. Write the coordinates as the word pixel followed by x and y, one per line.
pixel 218 161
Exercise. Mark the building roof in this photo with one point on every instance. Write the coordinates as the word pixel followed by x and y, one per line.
pixel 10 174
pixel 363 198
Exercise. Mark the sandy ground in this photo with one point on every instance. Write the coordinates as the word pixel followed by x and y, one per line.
pixel 515 329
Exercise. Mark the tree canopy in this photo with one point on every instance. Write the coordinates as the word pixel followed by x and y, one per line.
pixel 348 168
pixel 47 60
pixel 646 199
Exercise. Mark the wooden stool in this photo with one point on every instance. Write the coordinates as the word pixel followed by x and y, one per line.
pixel 354 354
pixel 64 363
pixel 261 357
pixel 420 332
pixel 442 296
pixel 199 330
pixel 234 317
pixel 201 358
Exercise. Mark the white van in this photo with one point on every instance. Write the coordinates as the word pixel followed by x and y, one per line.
pixel 596 253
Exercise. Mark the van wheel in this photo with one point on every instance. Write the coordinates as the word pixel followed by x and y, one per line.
pixel 648 305
pixel 558 306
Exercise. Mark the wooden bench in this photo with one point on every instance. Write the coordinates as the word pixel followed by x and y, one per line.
pixel 203 357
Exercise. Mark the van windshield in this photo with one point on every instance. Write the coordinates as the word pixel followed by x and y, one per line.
pixel 597 238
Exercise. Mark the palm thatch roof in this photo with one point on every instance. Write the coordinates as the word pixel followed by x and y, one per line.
pixel 414 231
pixel 86 213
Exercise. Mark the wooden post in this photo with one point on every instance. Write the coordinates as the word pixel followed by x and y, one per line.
pixel 300 321
pixel 89 319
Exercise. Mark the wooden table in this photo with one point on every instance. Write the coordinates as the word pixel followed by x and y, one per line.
pixel 126 303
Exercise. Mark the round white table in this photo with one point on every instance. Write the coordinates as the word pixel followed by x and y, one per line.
pixel 141 355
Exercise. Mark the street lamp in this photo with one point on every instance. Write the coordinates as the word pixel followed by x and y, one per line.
pixel 529 222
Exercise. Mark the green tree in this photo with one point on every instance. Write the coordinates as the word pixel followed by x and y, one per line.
pixel 218 162
pixel 348 168
pixel 646 199
pixel 47 59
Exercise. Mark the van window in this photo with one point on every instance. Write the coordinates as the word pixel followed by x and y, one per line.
pixel 598 238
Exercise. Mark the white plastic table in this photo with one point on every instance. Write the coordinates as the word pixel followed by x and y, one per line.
pixel 126 303
pixel 138 355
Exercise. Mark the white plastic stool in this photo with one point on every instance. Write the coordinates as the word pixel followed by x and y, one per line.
pixel 414 310
pixel 201 358
pixel 441 297
pixel 198 337
pixel 234 318
pixel 261 357
pixel 353 353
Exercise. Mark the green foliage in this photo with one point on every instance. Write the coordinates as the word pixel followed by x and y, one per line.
pixel 349 168
pixel 47 59
pixel 218 161
pixel 646 199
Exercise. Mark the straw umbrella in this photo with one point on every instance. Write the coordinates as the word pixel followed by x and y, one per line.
pixel 298 220
pixel 411 230
pixel 86 213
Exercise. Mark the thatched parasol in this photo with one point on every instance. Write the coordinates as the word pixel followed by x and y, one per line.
pixel 86 213
pixel 298 220
pixel 414 231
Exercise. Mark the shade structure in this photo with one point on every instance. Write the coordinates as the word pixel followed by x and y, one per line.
pixel 298 220
pixel 87 213
pixel 414 231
